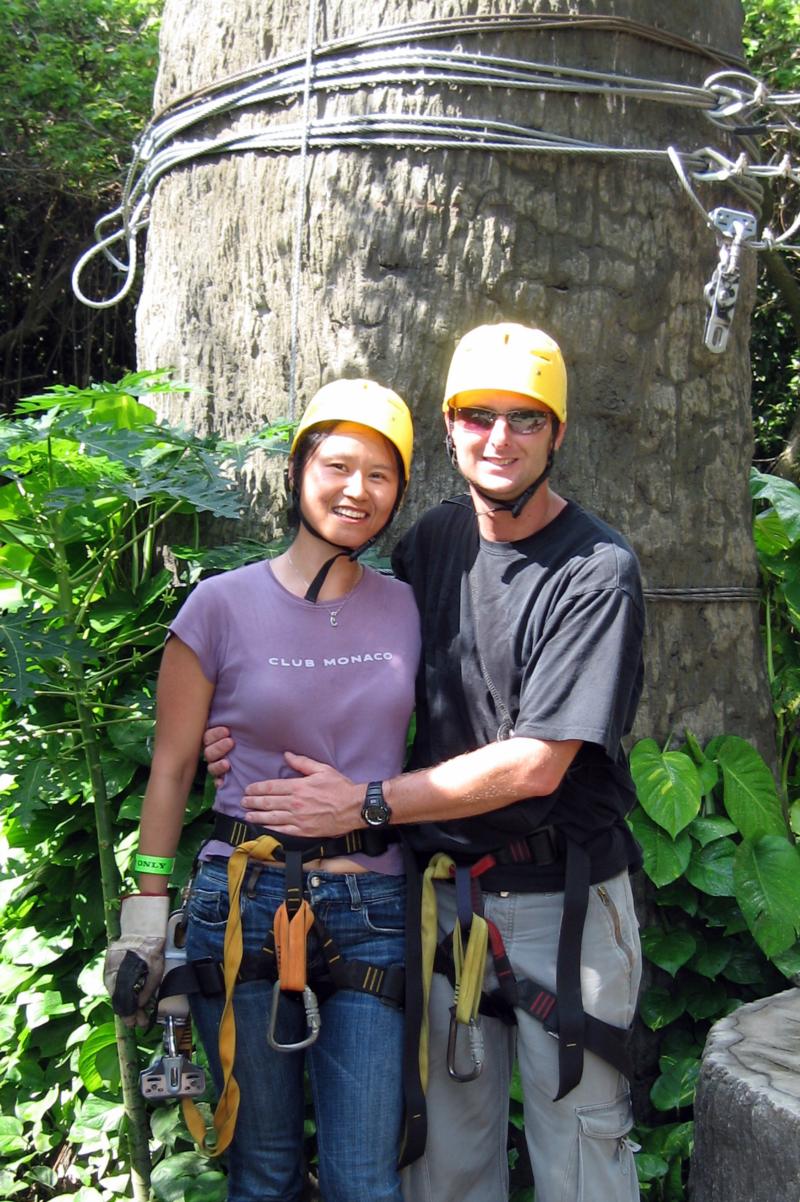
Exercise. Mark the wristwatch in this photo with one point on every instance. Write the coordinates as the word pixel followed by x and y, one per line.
pixel 375 810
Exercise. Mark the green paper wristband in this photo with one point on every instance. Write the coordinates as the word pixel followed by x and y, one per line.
pixel 160 865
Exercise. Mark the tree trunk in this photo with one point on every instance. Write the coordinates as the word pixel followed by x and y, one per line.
pixel 405 249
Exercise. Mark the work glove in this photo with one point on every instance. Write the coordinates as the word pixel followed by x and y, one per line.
pixel 135 962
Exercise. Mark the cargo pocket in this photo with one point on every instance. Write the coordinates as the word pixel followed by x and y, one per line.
pixel 606 1168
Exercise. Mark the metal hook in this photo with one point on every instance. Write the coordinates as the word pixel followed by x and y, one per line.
pixel 475 1038
pixel 313 1020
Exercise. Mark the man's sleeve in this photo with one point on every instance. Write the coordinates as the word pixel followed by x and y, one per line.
pixel 584 679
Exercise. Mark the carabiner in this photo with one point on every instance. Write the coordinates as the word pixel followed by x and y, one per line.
pixel 313 1020
pixel 475 1037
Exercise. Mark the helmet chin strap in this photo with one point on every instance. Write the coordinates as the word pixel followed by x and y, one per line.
pixel 352 553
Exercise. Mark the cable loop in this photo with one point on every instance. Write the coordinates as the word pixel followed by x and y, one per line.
pixel 383 57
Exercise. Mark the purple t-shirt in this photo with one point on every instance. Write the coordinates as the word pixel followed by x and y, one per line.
pixel 286 679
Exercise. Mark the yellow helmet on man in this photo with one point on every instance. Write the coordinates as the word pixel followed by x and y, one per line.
pixel 367 404
pixel 507 357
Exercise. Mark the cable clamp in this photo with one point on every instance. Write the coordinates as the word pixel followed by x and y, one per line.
pixel 735 228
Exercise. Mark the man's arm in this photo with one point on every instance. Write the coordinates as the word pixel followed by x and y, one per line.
pixel 322 802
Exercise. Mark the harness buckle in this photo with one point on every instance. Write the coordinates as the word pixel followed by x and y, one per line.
pixel 475 1042
pixel 313 1020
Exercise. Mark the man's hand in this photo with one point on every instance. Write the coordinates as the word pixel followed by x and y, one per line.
pixel 320 803
pixel 135 962
pixel 217 743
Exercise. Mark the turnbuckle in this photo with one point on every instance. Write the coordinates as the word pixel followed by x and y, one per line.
pixel 475 1042
pixel 172 1075
pixel 313 1020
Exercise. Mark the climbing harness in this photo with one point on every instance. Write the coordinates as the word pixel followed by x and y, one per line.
pixel 298 956
pixel 732 100
pixel 561 1011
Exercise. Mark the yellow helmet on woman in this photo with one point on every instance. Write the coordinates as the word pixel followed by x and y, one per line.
pixel 367 404
pixel 508 358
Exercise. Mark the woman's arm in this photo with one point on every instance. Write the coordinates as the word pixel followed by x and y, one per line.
pixel 182 703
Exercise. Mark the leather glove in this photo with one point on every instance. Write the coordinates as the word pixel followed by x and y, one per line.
pixel 135 962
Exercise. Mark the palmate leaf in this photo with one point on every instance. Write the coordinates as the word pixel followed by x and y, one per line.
pixel 783 495
pixel 667 784
pixel 26 643
pixel 750 796
pixel 767 880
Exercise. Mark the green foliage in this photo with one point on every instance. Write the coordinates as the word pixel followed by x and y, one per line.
pixel 771 38
pixel 727 869
pixel 72 76
pixel 776 531
pixel 89 482
pixel 77 85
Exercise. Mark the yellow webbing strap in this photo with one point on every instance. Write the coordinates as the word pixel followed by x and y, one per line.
pixel 261 849
pixel 469 968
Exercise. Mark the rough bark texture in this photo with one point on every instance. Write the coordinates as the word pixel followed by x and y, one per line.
pixel 747 1110
pixel 403 250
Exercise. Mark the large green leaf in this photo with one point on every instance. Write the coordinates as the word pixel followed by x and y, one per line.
pixel 706 830
pixel 710 869
pixel 665 859
pixel 750 796
pixel 660 1007
pixel 100 1038
pixel 676 1086
pixel 783 495
pixel 667 784
pixel 704 999
pixel 767 879
pixel 711 956
pixel 670 950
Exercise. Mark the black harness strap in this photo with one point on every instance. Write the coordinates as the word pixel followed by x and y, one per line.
pixel 568 970
pixel 561 1013
pixel 371 841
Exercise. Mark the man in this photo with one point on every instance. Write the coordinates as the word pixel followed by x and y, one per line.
pixel 532 620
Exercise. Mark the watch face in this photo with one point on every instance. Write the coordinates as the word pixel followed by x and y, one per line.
pixel 375 811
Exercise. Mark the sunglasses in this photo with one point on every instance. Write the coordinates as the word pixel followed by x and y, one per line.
pixel 520 421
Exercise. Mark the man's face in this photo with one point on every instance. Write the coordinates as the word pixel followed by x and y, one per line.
pixel 491 454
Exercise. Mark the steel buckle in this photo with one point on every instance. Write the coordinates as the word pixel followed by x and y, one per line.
pixel 313 1020
pixel 475 1041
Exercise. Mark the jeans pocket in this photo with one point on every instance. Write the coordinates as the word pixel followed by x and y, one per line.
pixel 384 916
pixel 606 1168
pixel 208 908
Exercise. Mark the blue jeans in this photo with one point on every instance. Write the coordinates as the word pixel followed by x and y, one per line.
pixel 355 1066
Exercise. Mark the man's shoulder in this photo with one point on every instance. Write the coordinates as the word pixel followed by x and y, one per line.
pixel 437 527
pixel 600 552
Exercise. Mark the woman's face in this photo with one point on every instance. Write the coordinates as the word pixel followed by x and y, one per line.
pixel 350 484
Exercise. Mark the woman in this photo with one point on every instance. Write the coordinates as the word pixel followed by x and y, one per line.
pixel 313 653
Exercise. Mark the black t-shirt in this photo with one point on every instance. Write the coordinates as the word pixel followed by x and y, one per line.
pixel 560 619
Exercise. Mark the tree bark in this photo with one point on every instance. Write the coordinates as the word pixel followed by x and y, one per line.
pixel 405 249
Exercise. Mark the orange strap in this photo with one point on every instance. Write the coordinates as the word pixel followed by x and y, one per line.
pixel 291 935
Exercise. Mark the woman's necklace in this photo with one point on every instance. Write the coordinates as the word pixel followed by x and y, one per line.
pixel 334 613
